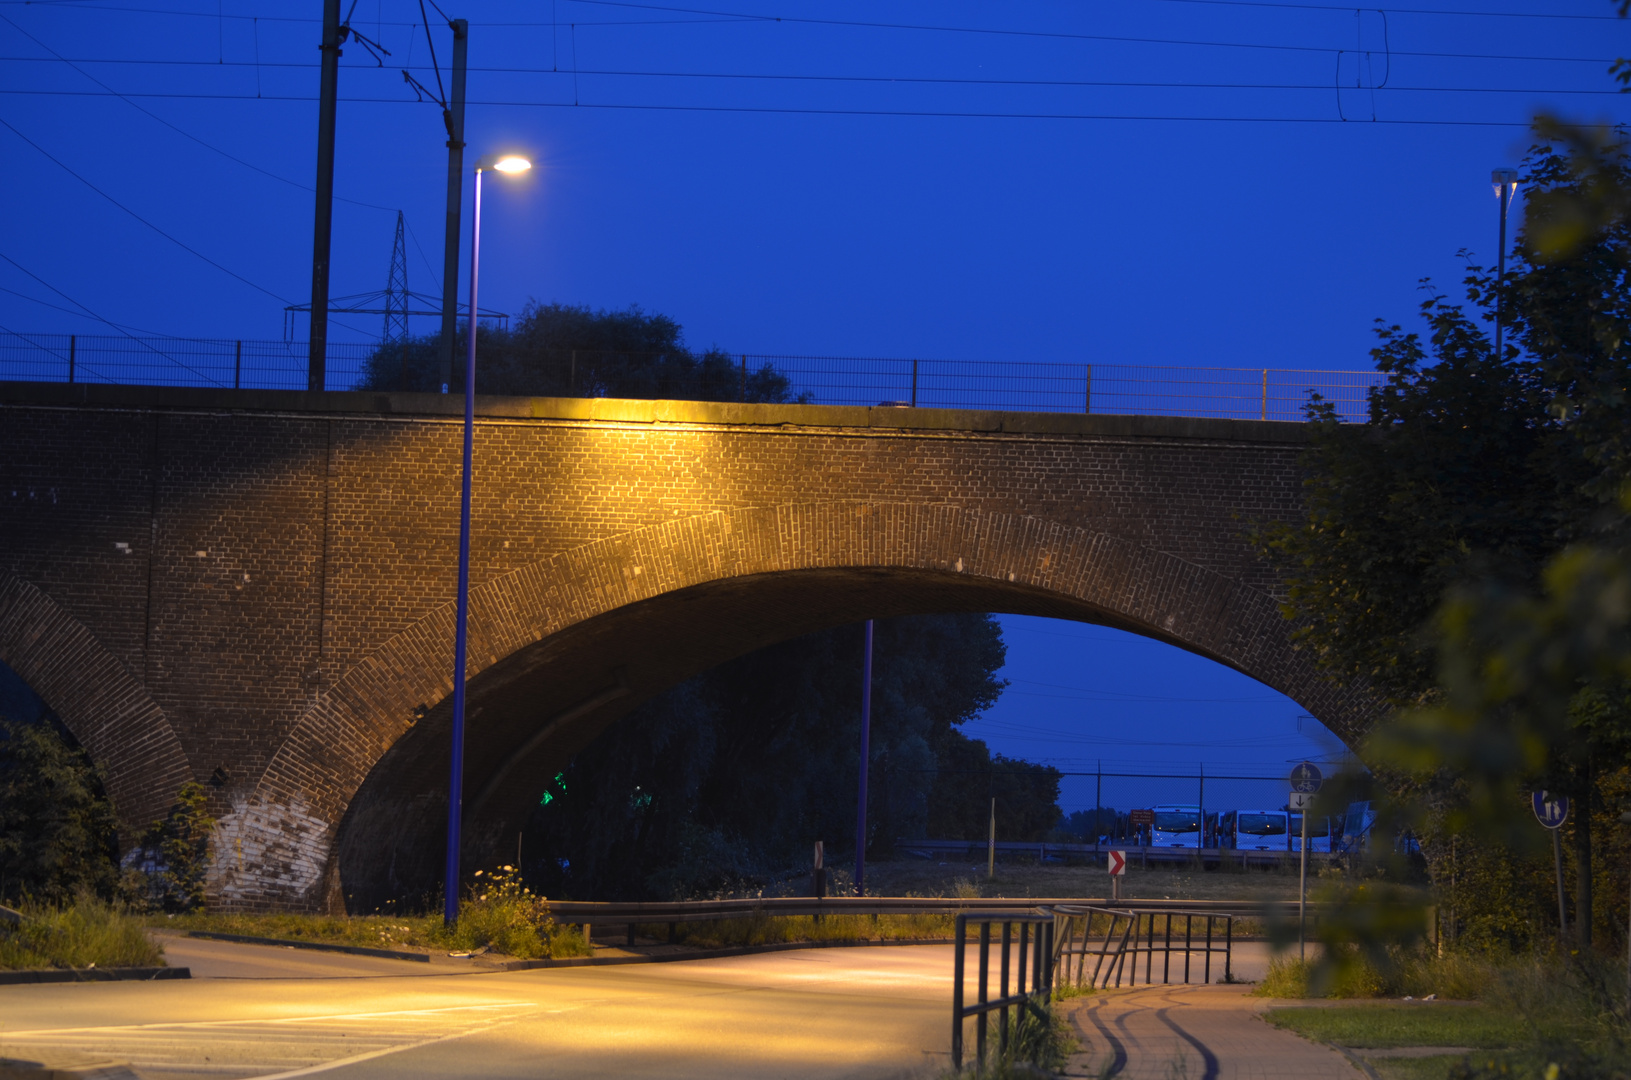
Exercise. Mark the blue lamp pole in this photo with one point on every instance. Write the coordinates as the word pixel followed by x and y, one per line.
pixel 866 759
pixel 1505 182
pixel 455 786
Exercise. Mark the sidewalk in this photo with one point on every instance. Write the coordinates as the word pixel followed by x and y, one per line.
pixel 1192 1033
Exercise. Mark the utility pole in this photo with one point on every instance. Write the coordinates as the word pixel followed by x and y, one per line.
pixel 317 357
pixel 453 118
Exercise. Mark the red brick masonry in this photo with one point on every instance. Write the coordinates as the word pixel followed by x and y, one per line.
pixel 256 587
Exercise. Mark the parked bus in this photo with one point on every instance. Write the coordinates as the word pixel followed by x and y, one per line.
pixel 1257 830
pixel 1179 826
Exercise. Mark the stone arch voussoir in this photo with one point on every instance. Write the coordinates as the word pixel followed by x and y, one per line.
pixel 273 849
pixel 105 707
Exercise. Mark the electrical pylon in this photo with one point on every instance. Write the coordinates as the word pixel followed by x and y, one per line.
pixel 396 291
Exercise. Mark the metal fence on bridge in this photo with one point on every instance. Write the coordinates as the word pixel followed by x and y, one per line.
pixel 1016 386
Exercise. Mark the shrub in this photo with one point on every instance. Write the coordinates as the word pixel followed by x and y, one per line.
pixel 89 932
pixel 166 871
pixel 507 917
pixel 58 837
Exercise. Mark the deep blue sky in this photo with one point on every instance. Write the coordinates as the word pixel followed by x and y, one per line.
pixel 1271 233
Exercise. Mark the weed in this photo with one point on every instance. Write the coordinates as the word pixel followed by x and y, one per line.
pixel 86 933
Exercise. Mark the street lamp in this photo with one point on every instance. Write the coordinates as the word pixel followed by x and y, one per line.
pixel 455 791
pixel 1505 182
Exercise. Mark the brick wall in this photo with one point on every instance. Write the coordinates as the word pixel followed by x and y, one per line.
pixel 269 578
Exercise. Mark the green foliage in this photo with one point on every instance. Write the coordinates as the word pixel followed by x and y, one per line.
pixel 166 871
pixel 1457 473
pixel 726 781
pixel 504 915
pixel 555 350
pixel 84 933
pixel 58 836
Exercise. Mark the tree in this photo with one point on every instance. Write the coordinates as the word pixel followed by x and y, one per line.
pixel 556 350
pixel 58 836
pixel 729 778
pixel 1431 529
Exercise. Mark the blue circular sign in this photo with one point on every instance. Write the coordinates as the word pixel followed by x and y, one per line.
pixel 1306 778
pixel 1551 809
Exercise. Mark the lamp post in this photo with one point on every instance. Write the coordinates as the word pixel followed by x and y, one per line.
pixel 1505 182
pixel 455 787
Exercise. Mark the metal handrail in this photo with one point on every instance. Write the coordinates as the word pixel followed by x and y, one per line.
pixel 1037 949
pixel 1112 962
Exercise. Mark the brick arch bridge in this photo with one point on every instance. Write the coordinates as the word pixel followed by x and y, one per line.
pixel 265 580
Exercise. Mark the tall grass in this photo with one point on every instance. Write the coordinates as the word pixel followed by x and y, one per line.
pixel 500 915
pixel 86 933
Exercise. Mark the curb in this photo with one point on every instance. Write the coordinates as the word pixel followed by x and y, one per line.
pixel 113 974
pixel 319 946
pixel 14 1069
pixel 707 954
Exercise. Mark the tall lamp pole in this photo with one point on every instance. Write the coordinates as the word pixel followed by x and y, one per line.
pixel 455 787
pixel 1505 182
pixel 866 759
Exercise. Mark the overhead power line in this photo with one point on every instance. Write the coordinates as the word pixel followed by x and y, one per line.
pixel 885 80
pixel 182 245
pixel 790 111
pixel 753 17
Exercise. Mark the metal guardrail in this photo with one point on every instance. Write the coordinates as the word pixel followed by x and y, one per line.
pixel 589 913
pixel 1096 853
pixel 1123 938
pixel 1014 386
pixel 1035 948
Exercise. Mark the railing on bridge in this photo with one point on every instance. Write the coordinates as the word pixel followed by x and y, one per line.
pixel 1021 386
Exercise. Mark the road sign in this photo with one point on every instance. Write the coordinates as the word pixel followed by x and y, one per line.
pixel 1306 777
pixel 1141 817
pixel 1551 809
pixel 1118 864
pixel 1301 800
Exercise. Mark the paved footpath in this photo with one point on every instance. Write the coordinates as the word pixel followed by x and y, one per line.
pixel 1193 1033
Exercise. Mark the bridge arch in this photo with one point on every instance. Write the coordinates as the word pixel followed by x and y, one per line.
pixel 107 709
pixel 348 811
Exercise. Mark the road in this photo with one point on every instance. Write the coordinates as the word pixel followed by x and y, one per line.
pixel 256 1011
pixel 861 1012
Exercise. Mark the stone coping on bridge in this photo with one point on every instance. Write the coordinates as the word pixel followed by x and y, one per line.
pixel 630 411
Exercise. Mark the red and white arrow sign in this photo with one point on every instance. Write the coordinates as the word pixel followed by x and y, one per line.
pixel 1118 864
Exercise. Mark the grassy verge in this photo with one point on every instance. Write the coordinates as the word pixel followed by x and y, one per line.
pixel 87 933
pixel 501 916
pixel 775 929
pixel 1390 1024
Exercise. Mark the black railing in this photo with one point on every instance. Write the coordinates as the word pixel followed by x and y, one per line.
pixel 1127 934
pixel 1033 989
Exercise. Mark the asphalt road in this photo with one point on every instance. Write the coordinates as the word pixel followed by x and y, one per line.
pixel 867 1012
pixel 258 1011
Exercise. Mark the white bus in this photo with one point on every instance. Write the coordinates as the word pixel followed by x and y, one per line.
pixel 1176 826
pixel 1260 830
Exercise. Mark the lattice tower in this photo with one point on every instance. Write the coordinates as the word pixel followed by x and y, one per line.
pixel 396 290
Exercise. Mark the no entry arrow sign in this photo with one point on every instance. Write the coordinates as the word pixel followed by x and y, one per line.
pixel 1118 864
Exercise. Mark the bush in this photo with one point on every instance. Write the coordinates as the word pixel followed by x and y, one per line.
pixel 507 917
pixel 166 871
pixel 87 933
pixel 58 837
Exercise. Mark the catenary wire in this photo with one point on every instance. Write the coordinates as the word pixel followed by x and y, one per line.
pixel 788 111
pixel 908 80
